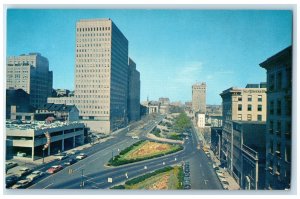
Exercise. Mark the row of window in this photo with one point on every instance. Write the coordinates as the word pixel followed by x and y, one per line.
pixel 92 55
pixel 93 29
pixel 249 107
pixel 107 61
pixel 92 34
pixel 275 148
pixel 92 65
pixel 94 112
pixel 279 104
pixel 93 86
pixel 249 117
pixel 93 39
pixel 99 44
pixel 92 70
pixel 250 98
pixel 93 50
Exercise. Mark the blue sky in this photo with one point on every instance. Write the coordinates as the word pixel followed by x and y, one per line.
pixel 172 48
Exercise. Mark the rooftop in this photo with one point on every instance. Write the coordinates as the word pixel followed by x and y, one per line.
pixel 35 125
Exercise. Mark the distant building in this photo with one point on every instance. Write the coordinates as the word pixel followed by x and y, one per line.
pixel 62 92
pixel 200 118
pixel 134 85
pixel 248 154
pixel 154 107
pixel 214 121
pixel 199 97
pixel 60 111
pixel 30 73
pixel 29 139
pixel 240 104
pixel 279 123
pixel 17 101
pixel 164 105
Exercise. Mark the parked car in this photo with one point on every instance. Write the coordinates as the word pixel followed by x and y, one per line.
pixel 21 184
pixel 10 165
pixel 62 157
pixel 73 152
pixel 70 161
pixel 11 180
pixel 54 169
pixel 21 154
pixel 187 186
pixel 186 174
pixel 35 175
pixel 23 171
pixel 81 156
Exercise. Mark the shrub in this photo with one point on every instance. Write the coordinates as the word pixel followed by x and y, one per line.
pixel 148 175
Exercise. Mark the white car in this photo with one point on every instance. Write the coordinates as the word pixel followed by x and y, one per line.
pixel 21 184
pixel 81 156
pixel 35 175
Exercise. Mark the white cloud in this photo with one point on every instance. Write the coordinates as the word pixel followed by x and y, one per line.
pixel 189 74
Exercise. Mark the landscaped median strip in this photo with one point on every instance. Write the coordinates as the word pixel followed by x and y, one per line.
pixel 143 150
pixel 165 178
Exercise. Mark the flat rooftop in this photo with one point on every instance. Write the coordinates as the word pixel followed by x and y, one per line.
pixel 36 125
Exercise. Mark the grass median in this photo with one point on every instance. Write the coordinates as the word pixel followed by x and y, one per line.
pixel 168 178
pixel 143 150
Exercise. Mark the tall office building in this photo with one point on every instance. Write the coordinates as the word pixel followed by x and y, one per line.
pixel 242 104
pixel 30 73
pixel 279 126
pixel 101 74
pixel 199 97
pixel 134 84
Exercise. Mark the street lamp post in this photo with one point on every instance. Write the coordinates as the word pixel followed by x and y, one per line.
pixel 43 155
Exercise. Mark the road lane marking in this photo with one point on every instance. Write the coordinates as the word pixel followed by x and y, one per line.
pixel 79 168
pixel 48 185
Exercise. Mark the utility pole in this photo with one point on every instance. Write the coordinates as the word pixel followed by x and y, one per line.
pixel 43 155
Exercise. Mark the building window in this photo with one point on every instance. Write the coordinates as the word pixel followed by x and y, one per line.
pixel 279 80
pixel 249 107
pixel 240 107
pixel 259 107
pixel 239 99
pixel 278 132
pixel 249 117
pixel 271 107
pixel 271 127
pixel 278 149
pixel 259 118
pixel 239 116
pixel 288 153
pixel 271 147
pixel 259 99
pixel 278 107
pixel 249 98
pixel 271 83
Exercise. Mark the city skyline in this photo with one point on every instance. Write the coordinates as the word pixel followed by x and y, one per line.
pixel 182 46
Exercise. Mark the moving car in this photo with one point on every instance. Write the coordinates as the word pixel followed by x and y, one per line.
pixel 187 186
pixel 10 165
pixel 70 161
pixel 11 180
pixel 21 184
pixel 35 175
pixel 23 171
pixel 81 156
pixel 62 157
pixel 54 169
pixel 73 152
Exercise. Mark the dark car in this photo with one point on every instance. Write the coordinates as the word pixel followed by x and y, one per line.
pixel 70 161
pixel 187 174
pixel 11 180
pixel 187 186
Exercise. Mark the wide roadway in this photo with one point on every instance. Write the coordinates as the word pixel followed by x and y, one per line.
pixel 93 174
